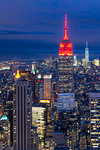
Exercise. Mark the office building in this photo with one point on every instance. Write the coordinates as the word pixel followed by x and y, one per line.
pixel 87 53
pixel 47 87
pixel 33 68
pixel 60 141
pixel 33 85
pixel 3 140
pixel 22 116
pixel 94 97
pixel 65 63
pixel 40 87
pixel 75 61
pixel 65 101
pixel 9 113
pixel 25 74
pixel 34 139
pixel 83 63
pixel 4 123
pixel 96 62
pixel 1 108
pixel 39 119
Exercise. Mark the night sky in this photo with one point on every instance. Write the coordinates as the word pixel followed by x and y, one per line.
pixel 36 26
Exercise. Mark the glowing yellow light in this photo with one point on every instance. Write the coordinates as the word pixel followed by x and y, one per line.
pixel 69 45
pixel 61 45
pixel 17 76
pixel 45 101
pixel 42 63
pixel 47 76
pixel 39 76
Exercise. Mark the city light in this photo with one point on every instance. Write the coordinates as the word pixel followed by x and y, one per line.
pixel 45 101
pixel 49 96
pixel 17 76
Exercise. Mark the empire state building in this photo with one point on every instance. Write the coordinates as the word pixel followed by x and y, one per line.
pixel 65 63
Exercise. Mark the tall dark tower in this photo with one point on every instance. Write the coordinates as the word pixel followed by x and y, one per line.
pixel 65 63
pixel 22 116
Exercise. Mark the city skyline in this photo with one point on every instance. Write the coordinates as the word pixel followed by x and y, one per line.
pixel 49 75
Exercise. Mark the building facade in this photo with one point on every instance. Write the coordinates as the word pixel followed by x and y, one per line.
pixel 22 116
pixel 94 97
pixel 47 86
pixel 65 101
pixel 65 63
pixel 4 123
pixel 87 53
pixel 39 120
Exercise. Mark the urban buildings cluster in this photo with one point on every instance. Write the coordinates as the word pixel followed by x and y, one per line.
pixel 51 104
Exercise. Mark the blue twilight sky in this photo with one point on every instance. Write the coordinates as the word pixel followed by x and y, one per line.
pixel 31 26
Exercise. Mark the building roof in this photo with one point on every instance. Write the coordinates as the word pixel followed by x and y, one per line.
pixel 4 117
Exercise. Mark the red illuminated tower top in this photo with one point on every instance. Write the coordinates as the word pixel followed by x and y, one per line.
pixel 65 48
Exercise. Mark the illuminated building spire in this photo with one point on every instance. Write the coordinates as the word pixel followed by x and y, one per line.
pixel 87 52
pixel 17 76
pixel 66 29
pixel 65 48
pixel 33 68
pixel 86 44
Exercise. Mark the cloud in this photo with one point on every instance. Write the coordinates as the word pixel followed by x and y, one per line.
pixel 9 32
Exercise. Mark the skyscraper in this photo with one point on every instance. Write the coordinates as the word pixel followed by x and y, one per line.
pixel 75 61
pixel 65 99
pixel 65 63
pixel 1 108
pixel 4 123
pixel 94 97
pixel 22 116
pixel 39 119
pixel 47 86
pixel 33 67
pixel 87 53
pixel 40 87
pixel 96 62
pixel 3 139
